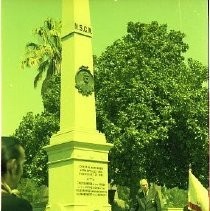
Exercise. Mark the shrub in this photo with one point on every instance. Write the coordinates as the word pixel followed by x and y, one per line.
pixel 31 191
pixel 174 197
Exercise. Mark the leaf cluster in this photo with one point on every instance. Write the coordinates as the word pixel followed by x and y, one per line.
pixel 46 53
pixel 147 101
pixel 34 133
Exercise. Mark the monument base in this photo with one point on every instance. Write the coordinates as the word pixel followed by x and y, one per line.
pixel 70 207
pixel 78 172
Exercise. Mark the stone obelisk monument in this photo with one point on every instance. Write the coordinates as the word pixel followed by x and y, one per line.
pixel 78 153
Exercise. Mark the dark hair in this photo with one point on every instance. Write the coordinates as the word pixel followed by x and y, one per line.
pixel 10 149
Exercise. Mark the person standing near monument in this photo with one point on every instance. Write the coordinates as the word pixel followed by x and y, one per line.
pixel 147 199
pixel 12 160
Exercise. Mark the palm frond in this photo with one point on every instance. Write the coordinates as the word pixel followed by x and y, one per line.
pixel 50 69
pixel 42 68
pixel 46 54
pixel 32 45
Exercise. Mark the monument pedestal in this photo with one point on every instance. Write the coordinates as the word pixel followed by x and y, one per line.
pixel 78 172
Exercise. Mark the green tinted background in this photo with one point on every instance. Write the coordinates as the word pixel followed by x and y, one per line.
pixel 109 21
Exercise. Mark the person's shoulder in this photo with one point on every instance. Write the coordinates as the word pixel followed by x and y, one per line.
pixel 23 203
pixel 12 202
pixel 140 193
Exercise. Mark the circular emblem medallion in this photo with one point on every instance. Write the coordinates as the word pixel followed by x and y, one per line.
pixel 84 81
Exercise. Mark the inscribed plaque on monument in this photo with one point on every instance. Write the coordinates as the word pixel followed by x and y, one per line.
pixel 91 180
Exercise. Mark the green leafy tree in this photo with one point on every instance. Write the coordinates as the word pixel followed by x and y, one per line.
pixel 152 106
pixel 34 133
pixel 45 55
pixel 33 192
pixel 147 100
pixel 187 139
pixel 51 95
pixel 174 197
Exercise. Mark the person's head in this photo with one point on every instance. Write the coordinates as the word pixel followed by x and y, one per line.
pixel 144 184
pixel 12 160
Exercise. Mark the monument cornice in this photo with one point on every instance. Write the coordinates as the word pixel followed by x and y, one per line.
pixel 79 145
pixel 65 37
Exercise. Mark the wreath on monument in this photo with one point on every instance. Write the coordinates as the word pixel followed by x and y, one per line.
pixel 84 81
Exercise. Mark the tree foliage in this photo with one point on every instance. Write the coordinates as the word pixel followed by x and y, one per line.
pixel 51 95
pixel 34 132
pixel 45 55
pixel 151 105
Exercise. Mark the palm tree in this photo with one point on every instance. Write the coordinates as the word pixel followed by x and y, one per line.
pixel 46 54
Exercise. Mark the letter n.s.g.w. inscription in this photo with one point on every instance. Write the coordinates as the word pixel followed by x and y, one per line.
pixel 83 28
